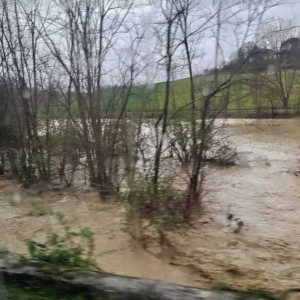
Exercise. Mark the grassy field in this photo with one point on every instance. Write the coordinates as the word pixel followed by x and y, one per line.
pixel 240 95
pixel 152 97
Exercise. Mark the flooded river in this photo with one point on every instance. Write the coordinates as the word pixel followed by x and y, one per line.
pixel 262 191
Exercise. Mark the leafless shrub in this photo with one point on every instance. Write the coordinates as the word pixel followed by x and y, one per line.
pixel 222 153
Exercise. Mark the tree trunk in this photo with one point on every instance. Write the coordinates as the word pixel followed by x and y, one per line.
pixel 285 102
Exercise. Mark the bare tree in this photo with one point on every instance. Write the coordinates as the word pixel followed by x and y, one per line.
pixel 280 75
pixel 20 64
pixel 166 34
pixel 202 133
pixel 101 107
pixel 84 59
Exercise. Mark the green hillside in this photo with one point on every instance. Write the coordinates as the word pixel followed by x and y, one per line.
pixel 240 94
pixel 151 98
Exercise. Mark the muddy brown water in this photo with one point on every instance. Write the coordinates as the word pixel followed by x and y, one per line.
pixel 262 191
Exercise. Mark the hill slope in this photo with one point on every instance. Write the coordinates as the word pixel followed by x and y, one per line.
pixel 241 96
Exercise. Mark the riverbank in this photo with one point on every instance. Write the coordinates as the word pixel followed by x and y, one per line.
pixel 242 113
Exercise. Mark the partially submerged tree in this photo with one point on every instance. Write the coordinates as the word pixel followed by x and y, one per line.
pixel 89 32
pixel 21 70
pixel 70 76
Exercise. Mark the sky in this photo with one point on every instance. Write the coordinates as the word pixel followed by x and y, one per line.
pixel 146 16
pixel 289 9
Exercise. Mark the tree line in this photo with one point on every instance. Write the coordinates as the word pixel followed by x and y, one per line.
pixel 270 72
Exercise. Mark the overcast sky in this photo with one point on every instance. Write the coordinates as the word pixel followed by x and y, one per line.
pixel 146 16
pixel 290 9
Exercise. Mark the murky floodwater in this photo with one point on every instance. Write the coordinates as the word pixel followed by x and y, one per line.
pixel 262 191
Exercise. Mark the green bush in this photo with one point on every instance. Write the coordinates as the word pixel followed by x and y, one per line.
pixel 74 249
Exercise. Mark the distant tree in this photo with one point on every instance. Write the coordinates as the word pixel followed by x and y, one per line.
pixel 281 72
pixel 252 58
pixel 290 51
